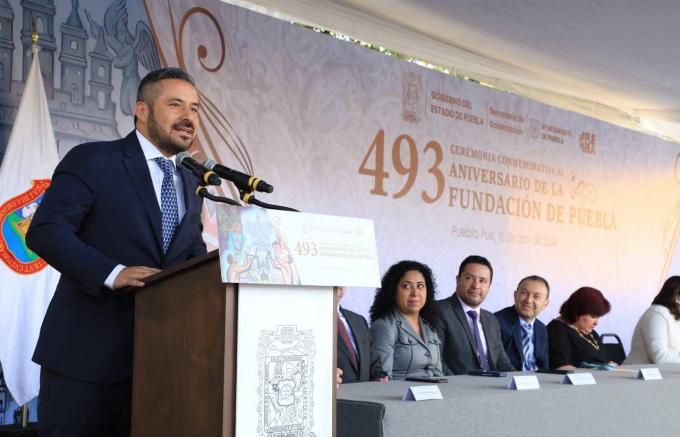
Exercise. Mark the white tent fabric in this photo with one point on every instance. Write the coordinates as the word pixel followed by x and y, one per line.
pixel 611 60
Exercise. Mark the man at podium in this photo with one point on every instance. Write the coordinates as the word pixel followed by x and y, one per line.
pixel 115 213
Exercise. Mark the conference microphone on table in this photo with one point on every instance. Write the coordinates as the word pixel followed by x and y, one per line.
pixel 241 180
pixel 207 176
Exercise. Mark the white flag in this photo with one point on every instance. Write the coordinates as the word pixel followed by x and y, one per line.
pixel 26 282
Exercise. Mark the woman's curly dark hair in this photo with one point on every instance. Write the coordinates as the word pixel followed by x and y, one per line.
pixel 385 300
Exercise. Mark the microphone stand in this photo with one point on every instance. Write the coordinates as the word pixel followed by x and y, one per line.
pixel 203 192
pixel 249 198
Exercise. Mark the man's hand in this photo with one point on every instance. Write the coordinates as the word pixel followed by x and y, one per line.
pixel 131 276
pixel 338 377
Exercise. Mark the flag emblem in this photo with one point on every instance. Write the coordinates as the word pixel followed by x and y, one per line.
pixel 15 217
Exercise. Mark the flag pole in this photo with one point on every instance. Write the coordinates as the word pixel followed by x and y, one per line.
pixel 35 37
pixel 24 416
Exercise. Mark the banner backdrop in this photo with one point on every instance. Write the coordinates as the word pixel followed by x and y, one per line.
pixel 445 167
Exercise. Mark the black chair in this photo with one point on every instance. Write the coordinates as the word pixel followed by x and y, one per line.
pixel 614 350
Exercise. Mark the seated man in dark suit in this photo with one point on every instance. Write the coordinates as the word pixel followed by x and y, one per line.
pixel 471 338
pixel 354 344
pixel 525 338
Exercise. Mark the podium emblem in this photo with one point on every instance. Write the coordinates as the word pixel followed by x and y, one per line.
pixel 285 369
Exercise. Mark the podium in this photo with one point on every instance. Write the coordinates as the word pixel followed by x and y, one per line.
pixel 184 371
pixel 246 347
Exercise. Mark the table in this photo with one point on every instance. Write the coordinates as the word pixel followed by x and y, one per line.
pixel 618 405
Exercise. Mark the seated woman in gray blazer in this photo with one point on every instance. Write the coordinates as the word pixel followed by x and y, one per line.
pixel 403 341
pixel 656 338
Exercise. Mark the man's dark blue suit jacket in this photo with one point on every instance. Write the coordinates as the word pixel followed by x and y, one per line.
pixel 362 339
pixel 511 334
pixel 101 211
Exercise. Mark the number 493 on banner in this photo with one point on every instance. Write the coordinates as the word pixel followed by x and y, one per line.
pixel 407 168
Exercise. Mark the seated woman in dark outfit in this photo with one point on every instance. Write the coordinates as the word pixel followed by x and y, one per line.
pixel 572 338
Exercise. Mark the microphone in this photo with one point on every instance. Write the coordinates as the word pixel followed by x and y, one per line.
pixel 208 177
pixel 241 180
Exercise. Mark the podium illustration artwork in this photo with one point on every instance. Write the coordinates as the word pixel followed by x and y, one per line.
pixel 242 341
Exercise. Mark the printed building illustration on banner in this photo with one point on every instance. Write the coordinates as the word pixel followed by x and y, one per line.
pixel 79 57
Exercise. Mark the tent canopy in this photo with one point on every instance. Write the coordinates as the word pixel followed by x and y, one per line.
pixel 615 60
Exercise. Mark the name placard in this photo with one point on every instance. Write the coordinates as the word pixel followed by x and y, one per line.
pixel 579 379
pixel 422 393
pixel 649 374
pixel 524 382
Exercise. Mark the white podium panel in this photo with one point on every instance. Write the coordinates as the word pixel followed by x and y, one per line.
pixel 285 370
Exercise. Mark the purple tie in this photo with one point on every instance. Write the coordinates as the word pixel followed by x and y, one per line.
pixel 483 361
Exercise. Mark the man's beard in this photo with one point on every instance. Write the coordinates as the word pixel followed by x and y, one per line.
pixel 468 299
pixel 164 141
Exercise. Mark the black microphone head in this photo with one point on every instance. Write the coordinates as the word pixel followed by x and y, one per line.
pixel 181 156
pixel 262 186
pixel 183 159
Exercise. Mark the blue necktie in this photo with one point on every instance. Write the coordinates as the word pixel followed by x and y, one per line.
pixel 483 360
pixel 169 209
pixel 529 361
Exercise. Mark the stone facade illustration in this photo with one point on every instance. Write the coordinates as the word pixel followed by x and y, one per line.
pixel 84 99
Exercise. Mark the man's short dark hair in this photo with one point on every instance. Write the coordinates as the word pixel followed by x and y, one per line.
pixel 476 259
pixel 148 92
pixel 535 278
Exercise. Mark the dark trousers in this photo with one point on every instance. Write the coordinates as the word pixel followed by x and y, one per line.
pixel 69 407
